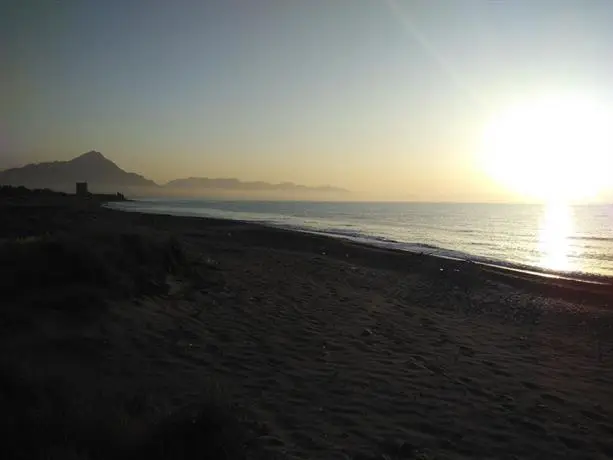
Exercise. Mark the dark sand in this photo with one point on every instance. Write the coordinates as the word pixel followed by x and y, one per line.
pixel 331 349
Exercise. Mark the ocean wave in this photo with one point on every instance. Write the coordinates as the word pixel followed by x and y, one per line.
pixel 599 256
pixel 479 243
pixel 591 238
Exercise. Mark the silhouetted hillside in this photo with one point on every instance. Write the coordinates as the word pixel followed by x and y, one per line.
pixel 91 167
pixel 105 176
pixel 235 184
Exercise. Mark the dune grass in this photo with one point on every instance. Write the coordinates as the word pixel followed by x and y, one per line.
pixel 46 417
pixel 83 270
pixel 43 420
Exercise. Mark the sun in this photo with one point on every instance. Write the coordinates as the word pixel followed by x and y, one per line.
pixel 553 148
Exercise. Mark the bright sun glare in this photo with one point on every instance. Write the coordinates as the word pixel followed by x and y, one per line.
pixel 551 148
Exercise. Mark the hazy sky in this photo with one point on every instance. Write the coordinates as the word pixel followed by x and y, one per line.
pixel 389 98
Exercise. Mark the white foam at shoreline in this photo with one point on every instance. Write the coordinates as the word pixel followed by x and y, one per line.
pixel 342 230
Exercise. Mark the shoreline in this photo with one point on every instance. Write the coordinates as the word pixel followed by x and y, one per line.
pixel 594 285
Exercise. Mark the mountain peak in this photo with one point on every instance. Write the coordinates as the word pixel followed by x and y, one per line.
pixel 91 155
pixel 92 167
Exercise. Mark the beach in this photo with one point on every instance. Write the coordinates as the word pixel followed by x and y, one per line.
pixel 311 347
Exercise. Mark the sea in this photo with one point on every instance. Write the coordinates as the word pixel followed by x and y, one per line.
pixel 549 239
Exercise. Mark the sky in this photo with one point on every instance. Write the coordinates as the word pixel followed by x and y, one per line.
pixel 387 98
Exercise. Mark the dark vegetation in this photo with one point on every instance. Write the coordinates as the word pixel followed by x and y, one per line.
pixel 63 267
pixel 7 191
pixel 58 255
pixel 42 421
pixel 71 271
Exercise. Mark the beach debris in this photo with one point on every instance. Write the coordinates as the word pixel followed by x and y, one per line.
pixel 211 262
pixel 366 332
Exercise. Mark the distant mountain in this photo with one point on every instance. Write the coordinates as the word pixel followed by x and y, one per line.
pixel 199 183
pixel 92 167
pixel 102 175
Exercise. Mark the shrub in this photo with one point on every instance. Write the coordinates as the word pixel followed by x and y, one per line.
pixel 57 270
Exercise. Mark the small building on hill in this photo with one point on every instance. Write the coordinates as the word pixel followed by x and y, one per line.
pixel 82 189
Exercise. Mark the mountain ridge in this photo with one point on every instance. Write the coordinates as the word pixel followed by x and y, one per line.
pixel 237 184
pixel 90 167
pixel 93 167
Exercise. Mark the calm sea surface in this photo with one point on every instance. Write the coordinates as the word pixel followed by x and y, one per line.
pixel 555 237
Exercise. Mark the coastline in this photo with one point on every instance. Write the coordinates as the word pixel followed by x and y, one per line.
pixel 594 285
pixel 286 345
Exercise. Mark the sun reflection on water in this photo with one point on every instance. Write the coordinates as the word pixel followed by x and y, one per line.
pixel 555 230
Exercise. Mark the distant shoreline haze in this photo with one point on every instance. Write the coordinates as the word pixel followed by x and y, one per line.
pixel 104 175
